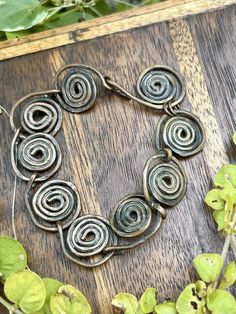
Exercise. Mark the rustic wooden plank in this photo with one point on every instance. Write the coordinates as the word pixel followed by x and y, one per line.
pixel 104 149
pixel 108 25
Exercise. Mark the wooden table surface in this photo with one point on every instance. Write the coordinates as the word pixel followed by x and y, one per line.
pixel 104 149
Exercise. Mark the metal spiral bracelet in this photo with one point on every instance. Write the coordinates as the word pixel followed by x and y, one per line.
pixel 54 205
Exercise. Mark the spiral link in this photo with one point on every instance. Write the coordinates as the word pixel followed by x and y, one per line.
pixel 41 114
pixel 88 235
pixel 55 201
pixel 183 133
pixel 91 240
pixel 86 240
pixel 78 89
pixel 36 153
pixel 131 216
pixel 160 85
pixel 164 181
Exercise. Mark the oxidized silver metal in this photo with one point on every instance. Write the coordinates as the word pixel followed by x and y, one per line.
pixel 131 216
pixel 160 85
pixel 36 153
pixel 55 201
pixel 78 89
pixel 87 238
pixel 183 133
pixel 164 181
pixel 90 240
pixel 41 114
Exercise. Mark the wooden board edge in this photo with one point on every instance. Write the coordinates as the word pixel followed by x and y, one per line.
pixel 143 16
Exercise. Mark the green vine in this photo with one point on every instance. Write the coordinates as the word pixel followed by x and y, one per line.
pixel 28 293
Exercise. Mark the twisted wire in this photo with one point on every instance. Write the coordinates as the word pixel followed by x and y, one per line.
pixel 160 85
pixel 78 88
pixel 183 133
pixel 131 216
pixel 36 153
pixel 164 181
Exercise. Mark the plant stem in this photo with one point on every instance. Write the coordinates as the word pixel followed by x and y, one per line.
pixel 233 245
pixel 11 308
pixel 226 247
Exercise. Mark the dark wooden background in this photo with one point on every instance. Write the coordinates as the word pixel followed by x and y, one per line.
pixel 104 149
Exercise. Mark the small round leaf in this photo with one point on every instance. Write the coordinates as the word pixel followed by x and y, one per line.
pixel 226 177
pixel 148 300
pixel 27 290
pixel 127 302
pixel 166 308
pixel 69 300
pixel 214 200
pixel 52 287
pixel 220 219
pixel 208 266
pixel 229 196
pixel 188 301
pixel 12 257
pixel 229 277
pixel 221 302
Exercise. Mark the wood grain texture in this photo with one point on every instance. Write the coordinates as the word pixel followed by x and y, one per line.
pixel 104 149
pixel 107 25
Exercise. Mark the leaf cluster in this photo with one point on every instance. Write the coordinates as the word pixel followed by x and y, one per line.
pixel 197 298
pixel 222 199
pixel 30 294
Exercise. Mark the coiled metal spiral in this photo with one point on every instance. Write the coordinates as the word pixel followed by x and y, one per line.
pixel 41 114
pixel 131 216
pixel 183 133
pixel 91 240
pixel 36 153
pixel 164 181
pixel 86 240
pixel 78 89
pixel 160 85
pixel 55 201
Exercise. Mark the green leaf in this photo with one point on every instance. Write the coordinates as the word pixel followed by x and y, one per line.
pixel 234 138
pixel 201 288
pixel 220 219
pixel 148 300
pixel 188 301
pixel 166 308
pixel 229 196
pixel 69 300
pixel 52 287
pixel 66 18
pixel 229 277
pixel 208 266
pixel 13 35
pixel 221 302
pixel 226 177
pixel 126 301
pixel 2 36
pixel 23 14
pixel 13 257
pixel 214 200
pixel 27 290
